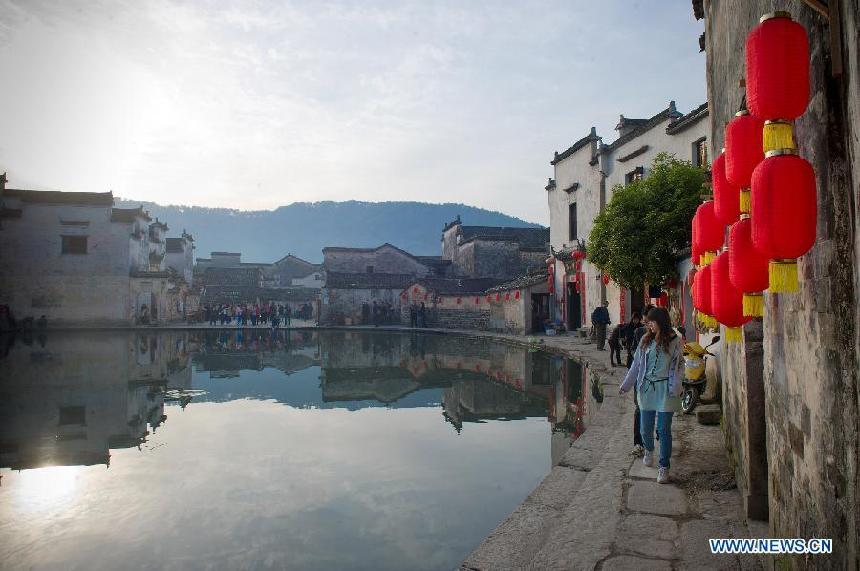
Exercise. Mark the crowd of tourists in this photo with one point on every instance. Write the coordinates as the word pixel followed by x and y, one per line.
pixel 255 314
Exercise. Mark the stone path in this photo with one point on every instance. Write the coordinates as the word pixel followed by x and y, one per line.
pixel 600 508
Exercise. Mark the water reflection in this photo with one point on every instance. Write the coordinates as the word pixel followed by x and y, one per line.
pixel 202 445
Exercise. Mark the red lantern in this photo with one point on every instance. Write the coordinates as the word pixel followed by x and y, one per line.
pixel 777 68
pixel 784 215
pixel 459 300
pixel 517 294
pixel 743 153
pixel 415 289
pixel 605 279
pixel 695 253
pixel 507 296
pixel 726 195
pixel 709 232
pixel 498 296
pixel 747 267
pixel 477 301
pixel 702 296
pixel 727 300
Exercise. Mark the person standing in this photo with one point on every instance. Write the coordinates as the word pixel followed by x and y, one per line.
pixel 600 319
pixel 657 375
pixel 421 318
pixel 413 316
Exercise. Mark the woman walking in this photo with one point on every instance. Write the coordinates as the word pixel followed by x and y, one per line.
pixel 657 374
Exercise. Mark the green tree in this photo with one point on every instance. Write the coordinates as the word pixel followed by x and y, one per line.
pixel 638 236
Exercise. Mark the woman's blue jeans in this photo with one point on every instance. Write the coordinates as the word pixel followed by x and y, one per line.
pixel 664 427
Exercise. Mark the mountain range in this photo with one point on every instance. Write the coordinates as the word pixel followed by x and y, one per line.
pixel 305 228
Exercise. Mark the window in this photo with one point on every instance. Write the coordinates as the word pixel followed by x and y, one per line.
pixel 634 175
pixel 74 244
pixel 572 222
pixel 370 269
pixel 317 277
pixel 700 152
pixel 73 415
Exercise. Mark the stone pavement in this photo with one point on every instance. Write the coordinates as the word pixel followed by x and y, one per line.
pixel 600 508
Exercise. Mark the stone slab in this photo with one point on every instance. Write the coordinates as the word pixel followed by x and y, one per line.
pixel 558 488
pixel 709 414
pixel 649 535
pixel 654 498
pixel 640 470
pixel 628 563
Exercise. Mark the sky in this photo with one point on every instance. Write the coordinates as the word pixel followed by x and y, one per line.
pixel 253 105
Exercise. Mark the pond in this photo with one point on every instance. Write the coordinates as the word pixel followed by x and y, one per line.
pixel 253 450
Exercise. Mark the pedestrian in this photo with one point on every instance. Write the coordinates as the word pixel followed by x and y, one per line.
pixel 413 315
pixel 422 316
pixel 288 315
pixel 657 377
pixel 615 345
pixel 374 310
pixel 600 320
pixel 628 340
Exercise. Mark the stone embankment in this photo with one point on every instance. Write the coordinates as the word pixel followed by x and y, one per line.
pixel 601 508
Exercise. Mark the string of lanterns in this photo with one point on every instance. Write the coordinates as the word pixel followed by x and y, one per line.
pixel 763 190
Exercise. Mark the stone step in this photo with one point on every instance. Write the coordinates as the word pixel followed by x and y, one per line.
pixel 709 414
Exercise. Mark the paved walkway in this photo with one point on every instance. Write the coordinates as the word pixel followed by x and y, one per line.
pixel 601 508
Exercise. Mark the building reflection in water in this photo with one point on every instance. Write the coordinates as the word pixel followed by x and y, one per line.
pixel 69 398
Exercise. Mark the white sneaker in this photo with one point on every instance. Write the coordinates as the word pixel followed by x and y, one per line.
pixel 648 458
pixel 663 475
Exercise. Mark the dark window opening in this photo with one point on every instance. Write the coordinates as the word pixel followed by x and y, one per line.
pixel 370 269
pixel 700 152
pixel 572 222
pixel 74 244
pixel 73 415
pixel 636 174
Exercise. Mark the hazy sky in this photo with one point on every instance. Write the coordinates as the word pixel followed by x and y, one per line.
pixel 257 104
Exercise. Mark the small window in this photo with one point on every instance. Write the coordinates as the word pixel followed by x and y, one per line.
pixel 74 244
pixel 73 415
pixel 700 152
pixel 571 213
pixel 317 277
pixel 634 175
pixel 370 269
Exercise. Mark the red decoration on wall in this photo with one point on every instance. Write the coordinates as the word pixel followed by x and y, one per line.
pixel 727 197
pixel 784 215
pixel 709 232
pixel 777 68
pixel 748 268
pixel 726 299
pixel 622 301
pixel 743 151
pixel 517 294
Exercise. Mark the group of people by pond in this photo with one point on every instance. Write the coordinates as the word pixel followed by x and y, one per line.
pixel 255 314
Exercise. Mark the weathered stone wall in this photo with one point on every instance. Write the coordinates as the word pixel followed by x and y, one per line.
pixel 385 260
pixel 809 343
pixel 341 304
pixel 498 259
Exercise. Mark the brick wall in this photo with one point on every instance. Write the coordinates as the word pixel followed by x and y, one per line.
pixel 804 396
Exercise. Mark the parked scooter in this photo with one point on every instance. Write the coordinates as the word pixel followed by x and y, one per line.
pixel 701 376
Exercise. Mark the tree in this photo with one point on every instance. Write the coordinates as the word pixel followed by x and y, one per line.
pixel 646 225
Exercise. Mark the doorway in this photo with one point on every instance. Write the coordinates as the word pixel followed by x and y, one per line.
pixel 574 308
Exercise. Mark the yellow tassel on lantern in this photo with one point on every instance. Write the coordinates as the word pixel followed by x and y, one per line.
pixel 783 276
pixel 746 201
pixel 734 335
pixel 777 135
pixel 706 258
pixel 753 305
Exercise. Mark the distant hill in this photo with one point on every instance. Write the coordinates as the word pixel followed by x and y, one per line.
pixel 305 228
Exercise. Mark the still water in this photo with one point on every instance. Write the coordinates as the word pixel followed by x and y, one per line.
pixel 256 450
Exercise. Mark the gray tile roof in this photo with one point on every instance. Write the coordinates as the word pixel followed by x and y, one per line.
pixel 453 286
pixel 58 197
pixel 535 238
pixel 344 280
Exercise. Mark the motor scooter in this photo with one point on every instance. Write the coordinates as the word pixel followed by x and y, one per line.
pixel 701 376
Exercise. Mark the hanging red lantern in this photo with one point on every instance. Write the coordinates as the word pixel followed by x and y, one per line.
pixel 709 232
pixel 605 278
pixel 726 195
pixel 415 289
pixel 459 300
pixel 507 296
pixel 727 300
pixel 784 215
pixel 517 294
pixel 477 301
pixel 663 300
pixel 498 296
pixel 777 75
pixel 748 269
pixel 702 297
pixel 695 253
pixel 743 153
